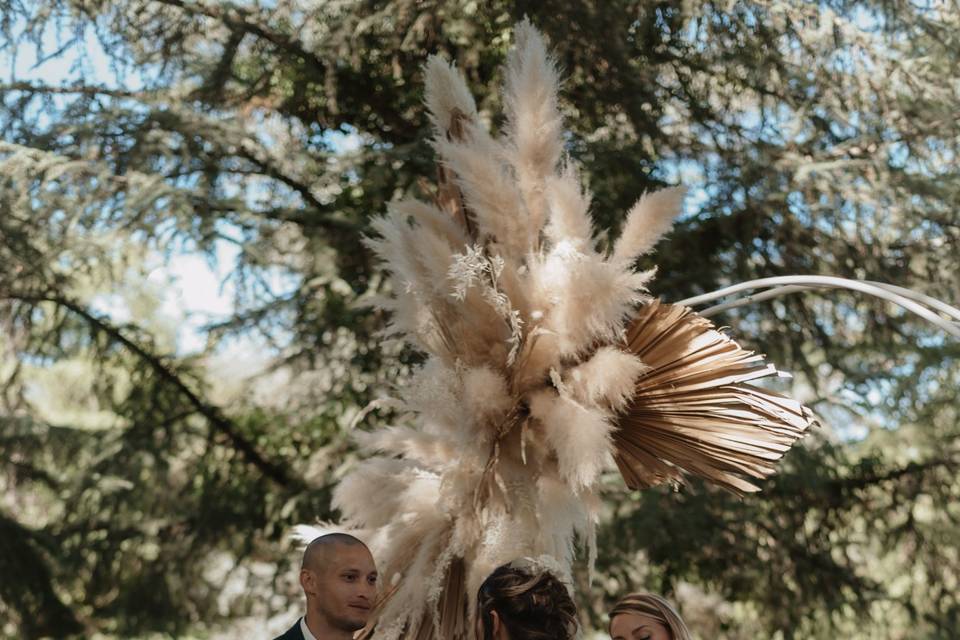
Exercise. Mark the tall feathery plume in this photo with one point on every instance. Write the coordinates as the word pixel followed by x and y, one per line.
pixel 545 362
pixel 534 126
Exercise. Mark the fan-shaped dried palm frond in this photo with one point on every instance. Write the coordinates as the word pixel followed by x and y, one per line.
pixel 693 412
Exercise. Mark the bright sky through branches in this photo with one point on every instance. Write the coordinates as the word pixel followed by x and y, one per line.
pixel 194 289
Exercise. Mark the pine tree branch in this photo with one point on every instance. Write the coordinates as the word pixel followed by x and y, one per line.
pixel 31 593
pixel 241 20
pixel 308 218
pixel 316 216
pixel 832 491
pixel 26 471
pixel 213 414
pixel 305 218
pixel 271 170
pixel 244 20
pixel 92 90
pixel 911 469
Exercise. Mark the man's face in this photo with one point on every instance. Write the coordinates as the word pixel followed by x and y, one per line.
pixel 343 590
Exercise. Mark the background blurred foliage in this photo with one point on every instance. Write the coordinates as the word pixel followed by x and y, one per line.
pixel 149 489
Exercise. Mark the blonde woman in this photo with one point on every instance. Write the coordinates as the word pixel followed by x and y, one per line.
pixel 644 616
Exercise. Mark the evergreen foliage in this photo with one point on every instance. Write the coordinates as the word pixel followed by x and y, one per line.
pixel 140 482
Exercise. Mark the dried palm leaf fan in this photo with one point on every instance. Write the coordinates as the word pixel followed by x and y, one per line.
pixel 545 358
pixel 693 410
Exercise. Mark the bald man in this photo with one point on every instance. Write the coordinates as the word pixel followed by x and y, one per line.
pixel 339 578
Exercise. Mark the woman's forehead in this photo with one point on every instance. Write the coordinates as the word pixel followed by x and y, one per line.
pixel 627 622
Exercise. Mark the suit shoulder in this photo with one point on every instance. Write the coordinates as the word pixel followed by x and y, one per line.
pixel 293 633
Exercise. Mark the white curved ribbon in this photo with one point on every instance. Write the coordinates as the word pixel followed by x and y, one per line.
pixel 920 304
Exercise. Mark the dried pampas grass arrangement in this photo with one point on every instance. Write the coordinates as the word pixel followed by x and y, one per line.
pixel 546 361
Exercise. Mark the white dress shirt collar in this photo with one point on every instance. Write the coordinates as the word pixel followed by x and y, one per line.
pixel 306 630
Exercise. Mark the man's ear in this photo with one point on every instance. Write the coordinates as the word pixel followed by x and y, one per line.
pixel 307 582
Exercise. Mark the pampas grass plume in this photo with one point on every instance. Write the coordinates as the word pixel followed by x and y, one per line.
pixel 606 379
pixel 446 90
pixel 579 436
pixel 534 126
pixel 569 219
pixel 650 218
pixel 485 392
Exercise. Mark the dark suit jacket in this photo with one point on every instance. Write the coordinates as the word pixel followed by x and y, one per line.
pixel 293 633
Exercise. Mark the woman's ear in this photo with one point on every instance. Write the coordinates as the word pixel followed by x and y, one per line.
pixel 496 628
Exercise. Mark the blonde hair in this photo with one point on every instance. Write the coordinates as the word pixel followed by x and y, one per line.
pixel 654 606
